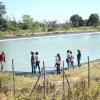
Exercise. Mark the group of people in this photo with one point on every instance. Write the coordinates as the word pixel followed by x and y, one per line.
pixel 2 61
pixel 69 60
pixel 35 62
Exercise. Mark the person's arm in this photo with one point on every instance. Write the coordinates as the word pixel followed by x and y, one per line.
pixel 31 59
pixel 56 61
pixel 80 55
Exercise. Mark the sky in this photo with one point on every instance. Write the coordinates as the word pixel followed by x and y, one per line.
pixel 49 10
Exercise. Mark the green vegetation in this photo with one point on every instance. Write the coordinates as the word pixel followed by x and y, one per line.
pixel 77 77
pixel 28 26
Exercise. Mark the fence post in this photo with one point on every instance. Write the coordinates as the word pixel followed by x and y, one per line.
pixel 35 84
pixel 88 72
pixel 68 82
pixel 69 95
pixel 44 80
pixel 14 91
pixel 63 83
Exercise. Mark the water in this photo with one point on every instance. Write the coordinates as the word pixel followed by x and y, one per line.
pixel 48 47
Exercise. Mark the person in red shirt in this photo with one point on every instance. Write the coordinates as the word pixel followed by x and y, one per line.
pixel 2 61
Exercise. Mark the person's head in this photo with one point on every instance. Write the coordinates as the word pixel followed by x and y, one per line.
pixel 68 51
pixel 2 53
pixel 78 51
pixel 58 55
pixel 36 53
pixel 32 52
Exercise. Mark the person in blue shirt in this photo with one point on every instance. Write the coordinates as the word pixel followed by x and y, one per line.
pixel 78 58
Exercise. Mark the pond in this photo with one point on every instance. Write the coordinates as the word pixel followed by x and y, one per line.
pixel 20 49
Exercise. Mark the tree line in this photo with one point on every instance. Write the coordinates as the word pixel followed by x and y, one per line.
pixel 28 23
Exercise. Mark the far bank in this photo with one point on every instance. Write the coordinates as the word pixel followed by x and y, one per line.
pixel 30 33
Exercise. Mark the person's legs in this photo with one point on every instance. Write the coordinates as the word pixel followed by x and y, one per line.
pixel 32 69
pixel 78 62
pixel 58 68
pixel 2 65
pixel 39 68
pixel 38 64
pixel 72 64
pixel 34 66
pixel 68 64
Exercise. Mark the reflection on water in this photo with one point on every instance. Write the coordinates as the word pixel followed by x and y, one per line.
pixel 48 47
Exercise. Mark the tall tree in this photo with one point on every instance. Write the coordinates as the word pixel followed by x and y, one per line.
pixel 76 20
pixel 93 20
pixel 3 22
pixel 65 26
pixel 81 21
pixel 52 25
pixel 12 24
pixel 2 9
pixel 27 20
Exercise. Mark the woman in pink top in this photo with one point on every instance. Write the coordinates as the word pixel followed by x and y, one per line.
pixel 37 61
pixel 57 63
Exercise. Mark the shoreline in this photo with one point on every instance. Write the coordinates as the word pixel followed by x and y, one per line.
pixel 46 35
pixel 48 72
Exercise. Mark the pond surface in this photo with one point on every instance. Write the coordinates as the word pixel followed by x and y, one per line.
pixel 48 47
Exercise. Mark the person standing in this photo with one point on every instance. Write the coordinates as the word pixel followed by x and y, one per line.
pixel 68 59
pixel 78 58
pixel 57 63
pixel 33 63
pixel 2 61
pixel 37 61
pixel 71 59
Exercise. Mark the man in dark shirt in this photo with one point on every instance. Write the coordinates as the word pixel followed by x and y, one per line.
pixel 78 58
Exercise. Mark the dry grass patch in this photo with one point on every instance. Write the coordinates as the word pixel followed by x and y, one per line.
pixel 77 78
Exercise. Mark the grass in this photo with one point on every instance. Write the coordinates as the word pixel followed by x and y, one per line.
pixel 77 77
pixel 39 32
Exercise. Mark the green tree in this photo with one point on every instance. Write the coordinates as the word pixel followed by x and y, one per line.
pixel 85 22
pixel 93 20
pixel 81 21
pixel 76 20
pixel 52 25
pixel 65 26
pixel 3 24
pixel 23 26
pixel 28 21
pixel 2 9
